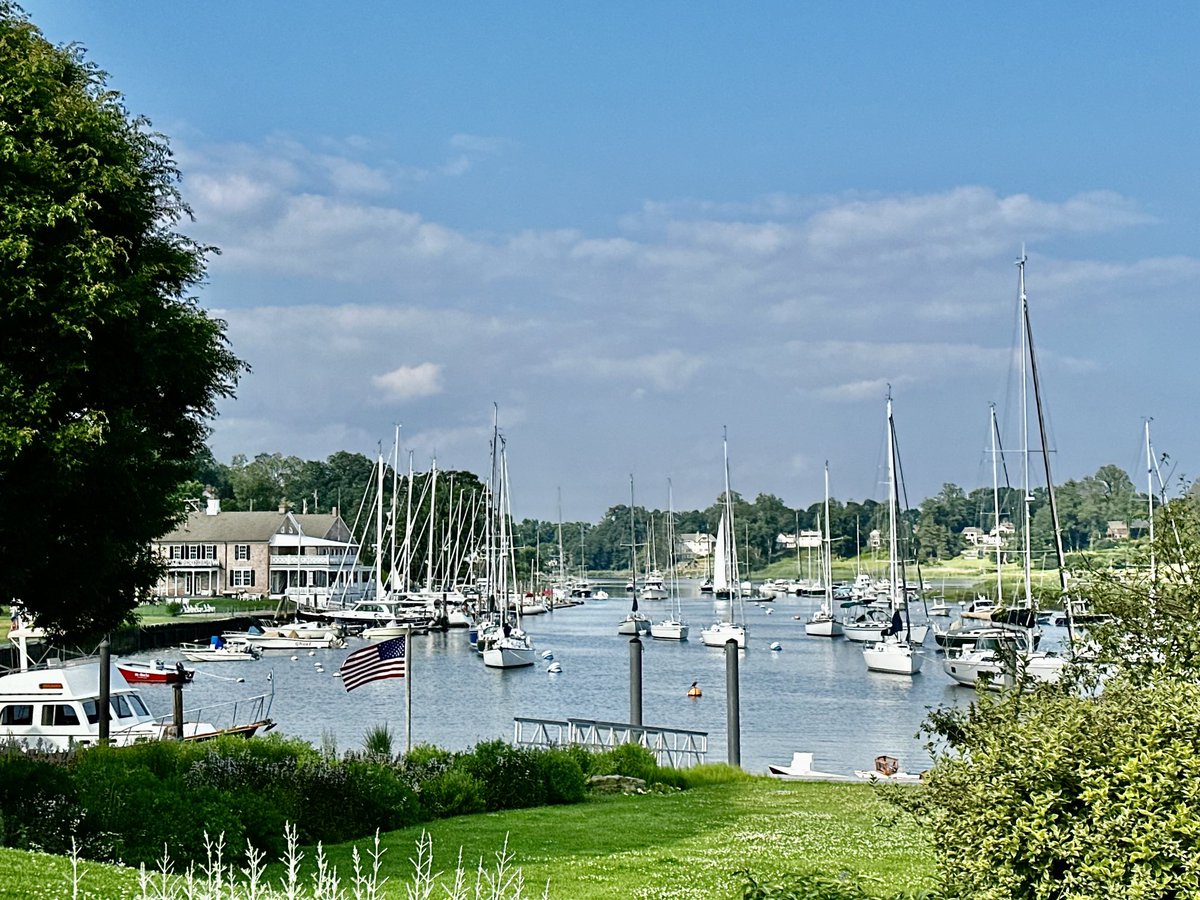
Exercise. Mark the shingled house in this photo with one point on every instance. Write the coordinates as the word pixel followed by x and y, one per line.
pixel 309 558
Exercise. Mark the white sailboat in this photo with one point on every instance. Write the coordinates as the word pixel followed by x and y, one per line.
pixel 1011 658
pixel 672 628
pixel 823 622
pixel 726 581
pixel 636 622
pixel 509 647
pixel 895 653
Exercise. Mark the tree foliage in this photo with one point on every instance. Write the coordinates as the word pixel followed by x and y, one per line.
pixel 108 369
pixel 1087 788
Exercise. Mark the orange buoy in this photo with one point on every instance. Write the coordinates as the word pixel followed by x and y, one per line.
pixel 694 690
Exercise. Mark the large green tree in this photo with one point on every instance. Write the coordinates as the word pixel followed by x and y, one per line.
pixel 109 370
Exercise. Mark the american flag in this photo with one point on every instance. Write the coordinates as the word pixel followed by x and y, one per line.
pixel 385 660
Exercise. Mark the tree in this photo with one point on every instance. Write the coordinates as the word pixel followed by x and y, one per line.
pixel 109 370
pixel 1086 788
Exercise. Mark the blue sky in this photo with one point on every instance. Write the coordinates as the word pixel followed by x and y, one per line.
pixel 632 224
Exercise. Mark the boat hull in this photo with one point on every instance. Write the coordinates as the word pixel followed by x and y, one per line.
pixel 721 634
pixel 669 631
pixel 893 658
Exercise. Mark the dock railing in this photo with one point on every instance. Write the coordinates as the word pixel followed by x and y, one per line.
pixel 678 748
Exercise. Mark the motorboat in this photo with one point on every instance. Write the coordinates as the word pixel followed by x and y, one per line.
pixel 800 769
pixel 220 651
pixel 155 671
pixel 292 636
pixel 997 657
pixel 59 708
pixel 887 769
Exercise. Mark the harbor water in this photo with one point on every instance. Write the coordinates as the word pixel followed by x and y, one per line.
pixel 812 694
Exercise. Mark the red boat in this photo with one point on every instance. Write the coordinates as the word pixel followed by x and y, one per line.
pixel 156 671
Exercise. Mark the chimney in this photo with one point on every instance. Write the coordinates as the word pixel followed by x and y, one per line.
pixel 212 503
pixel 283 508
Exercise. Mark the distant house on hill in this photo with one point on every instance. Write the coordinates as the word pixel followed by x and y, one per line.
pixel 809 539
pixel 694 545
pixel 1117 530
pixel 308 558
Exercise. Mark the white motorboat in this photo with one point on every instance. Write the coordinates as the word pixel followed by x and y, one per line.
pixel 999 656
pixel 800 769
pixel 887 769
pixel 293 636
pixel 220 651
pixel 59 708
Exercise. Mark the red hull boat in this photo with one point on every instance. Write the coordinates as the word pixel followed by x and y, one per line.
pixel 155 671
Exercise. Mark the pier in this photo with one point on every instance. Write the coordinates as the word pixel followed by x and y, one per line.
pixel 678 748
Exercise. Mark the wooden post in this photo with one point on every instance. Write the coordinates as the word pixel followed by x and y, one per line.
pixel 177 685
pixel 105 689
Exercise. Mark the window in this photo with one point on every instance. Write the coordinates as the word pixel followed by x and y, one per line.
pixel 17 714
pixel 241 552
pixel 122 706
pixel 139 708
pixel 59 714
pixel 241 577
pixel 92 710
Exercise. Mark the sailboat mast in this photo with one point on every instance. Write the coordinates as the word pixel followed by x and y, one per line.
pixel 1026 550
pixel 632 547
pixel 1041 417
pixel 379 592
pixel 731 559
pixel 827 565
pixel 1150 509
pixel 996 514
pixel 892 544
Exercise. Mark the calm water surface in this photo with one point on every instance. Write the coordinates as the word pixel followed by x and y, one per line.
pixel 814 694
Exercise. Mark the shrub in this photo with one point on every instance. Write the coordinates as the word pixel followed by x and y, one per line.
pixel 452 793
pixel 510 776
pixel 632 760
pixel 131 813
pixel 562 776
pixel 40 805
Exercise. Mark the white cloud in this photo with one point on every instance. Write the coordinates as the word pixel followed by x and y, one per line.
pixel 407 382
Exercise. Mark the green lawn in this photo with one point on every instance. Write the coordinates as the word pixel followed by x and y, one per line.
pixel 678 845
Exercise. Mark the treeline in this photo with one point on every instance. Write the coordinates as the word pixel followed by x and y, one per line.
pixel 931 529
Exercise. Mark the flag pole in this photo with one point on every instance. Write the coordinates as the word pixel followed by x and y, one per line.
pixel 407 690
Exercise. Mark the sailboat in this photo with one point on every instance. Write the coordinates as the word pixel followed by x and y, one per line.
pixel 672 628
pixel 823 622
pixel 896 652
pixel 726 582
pixel 508 646
pixel 636 622
pixel 1003 656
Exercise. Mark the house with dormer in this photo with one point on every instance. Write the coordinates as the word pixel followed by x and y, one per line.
pixel 312 559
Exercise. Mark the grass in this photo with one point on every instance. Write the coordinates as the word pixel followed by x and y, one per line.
pixel 679 845
pixel 683 845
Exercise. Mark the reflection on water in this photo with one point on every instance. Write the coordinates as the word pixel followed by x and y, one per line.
pixel 815 694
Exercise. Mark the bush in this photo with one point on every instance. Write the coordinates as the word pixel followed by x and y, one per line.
pixel 41 808
pixel 455 792
pixel 713 773
pixel 510 776
pixel 131 813
pixel 632 760
pixel 562 776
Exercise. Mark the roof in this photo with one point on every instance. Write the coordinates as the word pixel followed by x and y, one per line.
pixel 253 527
